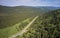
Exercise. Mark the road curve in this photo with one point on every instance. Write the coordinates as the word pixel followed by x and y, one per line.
pixel 25 29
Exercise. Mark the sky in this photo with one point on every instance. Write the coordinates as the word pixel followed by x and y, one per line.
pixel 30 3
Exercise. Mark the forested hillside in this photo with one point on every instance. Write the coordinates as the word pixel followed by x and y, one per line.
pixel 11 15
pixel 46 26
pixel 14 19
pixel 26 9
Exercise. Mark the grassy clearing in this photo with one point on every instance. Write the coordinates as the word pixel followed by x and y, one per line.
pixel 6 32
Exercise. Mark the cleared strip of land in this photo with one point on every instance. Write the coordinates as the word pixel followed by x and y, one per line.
pixel 9 31
pixel 24 30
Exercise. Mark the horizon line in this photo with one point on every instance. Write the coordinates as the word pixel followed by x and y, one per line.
pixel 31 6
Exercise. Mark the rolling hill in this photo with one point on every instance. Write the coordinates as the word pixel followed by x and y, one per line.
pixel 26 9
pixel 46 26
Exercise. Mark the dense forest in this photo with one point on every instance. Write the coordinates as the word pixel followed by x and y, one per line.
pixel 46 26
pixel 11 15
pixel 14 19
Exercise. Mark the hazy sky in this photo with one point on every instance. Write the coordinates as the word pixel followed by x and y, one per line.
pixel 30 2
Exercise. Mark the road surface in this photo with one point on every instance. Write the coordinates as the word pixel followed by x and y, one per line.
pixel 25 29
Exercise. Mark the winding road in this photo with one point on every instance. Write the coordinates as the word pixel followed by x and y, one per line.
pixel 24 30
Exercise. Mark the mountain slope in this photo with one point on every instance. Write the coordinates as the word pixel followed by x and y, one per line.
pixel 46 26
pixel 23 9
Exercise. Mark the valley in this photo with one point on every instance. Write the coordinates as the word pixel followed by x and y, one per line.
pixel 29 22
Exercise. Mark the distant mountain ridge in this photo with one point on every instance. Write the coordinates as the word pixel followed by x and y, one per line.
pixel 19 9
